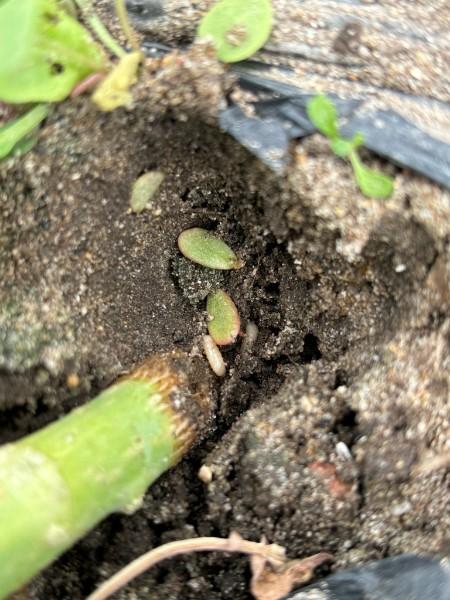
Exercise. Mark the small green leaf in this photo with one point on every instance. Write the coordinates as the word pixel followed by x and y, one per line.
pixel 44 52
pixel 322 113
pixel 224 323
pixel 144 188
pixel 204 248
pixel 14 131
pixel 238 28
pixel 372 183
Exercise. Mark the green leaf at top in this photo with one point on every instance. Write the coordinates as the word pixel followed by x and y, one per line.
pixel 238 28
pixel 322 113
pixel 372 183
pixel 44 52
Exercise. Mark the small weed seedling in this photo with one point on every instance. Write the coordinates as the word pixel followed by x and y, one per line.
pixel 323 115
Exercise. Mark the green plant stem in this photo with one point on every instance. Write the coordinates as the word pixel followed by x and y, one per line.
pixel 129 32
pixel 98 28
pixel 11 133
pixel 56 484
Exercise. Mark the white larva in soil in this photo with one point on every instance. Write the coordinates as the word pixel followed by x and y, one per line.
pixel 214 356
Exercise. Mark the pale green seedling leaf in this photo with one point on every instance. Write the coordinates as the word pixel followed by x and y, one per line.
pixel 44 52
pixel 238 28
pixel 204 248
pixel 15 131
pixel 372 183
pixel 224 323
pixel 144 189
pixel 322 113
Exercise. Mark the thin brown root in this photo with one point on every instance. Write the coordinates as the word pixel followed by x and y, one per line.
pixel 272 553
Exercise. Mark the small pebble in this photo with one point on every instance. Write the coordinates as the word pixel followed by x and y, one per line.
pixel 205 474
pixel 400 509
pixel 343 451
pixel 72 381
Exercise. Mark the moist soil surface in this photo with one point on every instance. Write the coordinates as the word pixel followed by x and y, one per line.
pixel 328 423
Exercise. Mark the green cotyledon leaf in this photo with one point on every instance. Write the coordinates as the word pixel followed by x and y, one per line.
pixel 372 183
pixel 44 52
pixel 238 28
pixel 224 323
pixel 322 113
pixel 204 248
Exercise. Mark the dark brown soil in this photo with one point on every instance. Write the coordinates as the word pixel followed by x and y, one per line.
pixel 90 288
pixel 351 299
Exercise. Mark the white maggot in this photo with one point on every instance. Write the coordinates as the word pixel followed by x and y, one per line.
pixel 214 356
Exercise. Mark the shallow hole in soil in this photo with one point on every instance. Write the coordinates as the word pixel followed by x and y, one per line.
pixel 104 287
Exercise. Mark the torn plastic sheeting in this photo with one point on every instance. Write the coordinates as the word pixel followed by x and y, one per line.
pixel 297 98
pixel 265 138
pixel 390 135
pixel 404 577
pixel 294 121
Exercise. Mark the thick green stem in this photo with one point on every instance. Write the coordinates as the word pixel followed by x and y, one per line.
pixel 11 133
pixel 58 483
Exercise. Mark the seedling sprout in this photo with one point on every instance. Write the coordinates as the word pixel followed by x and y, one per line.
pixel 323 114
